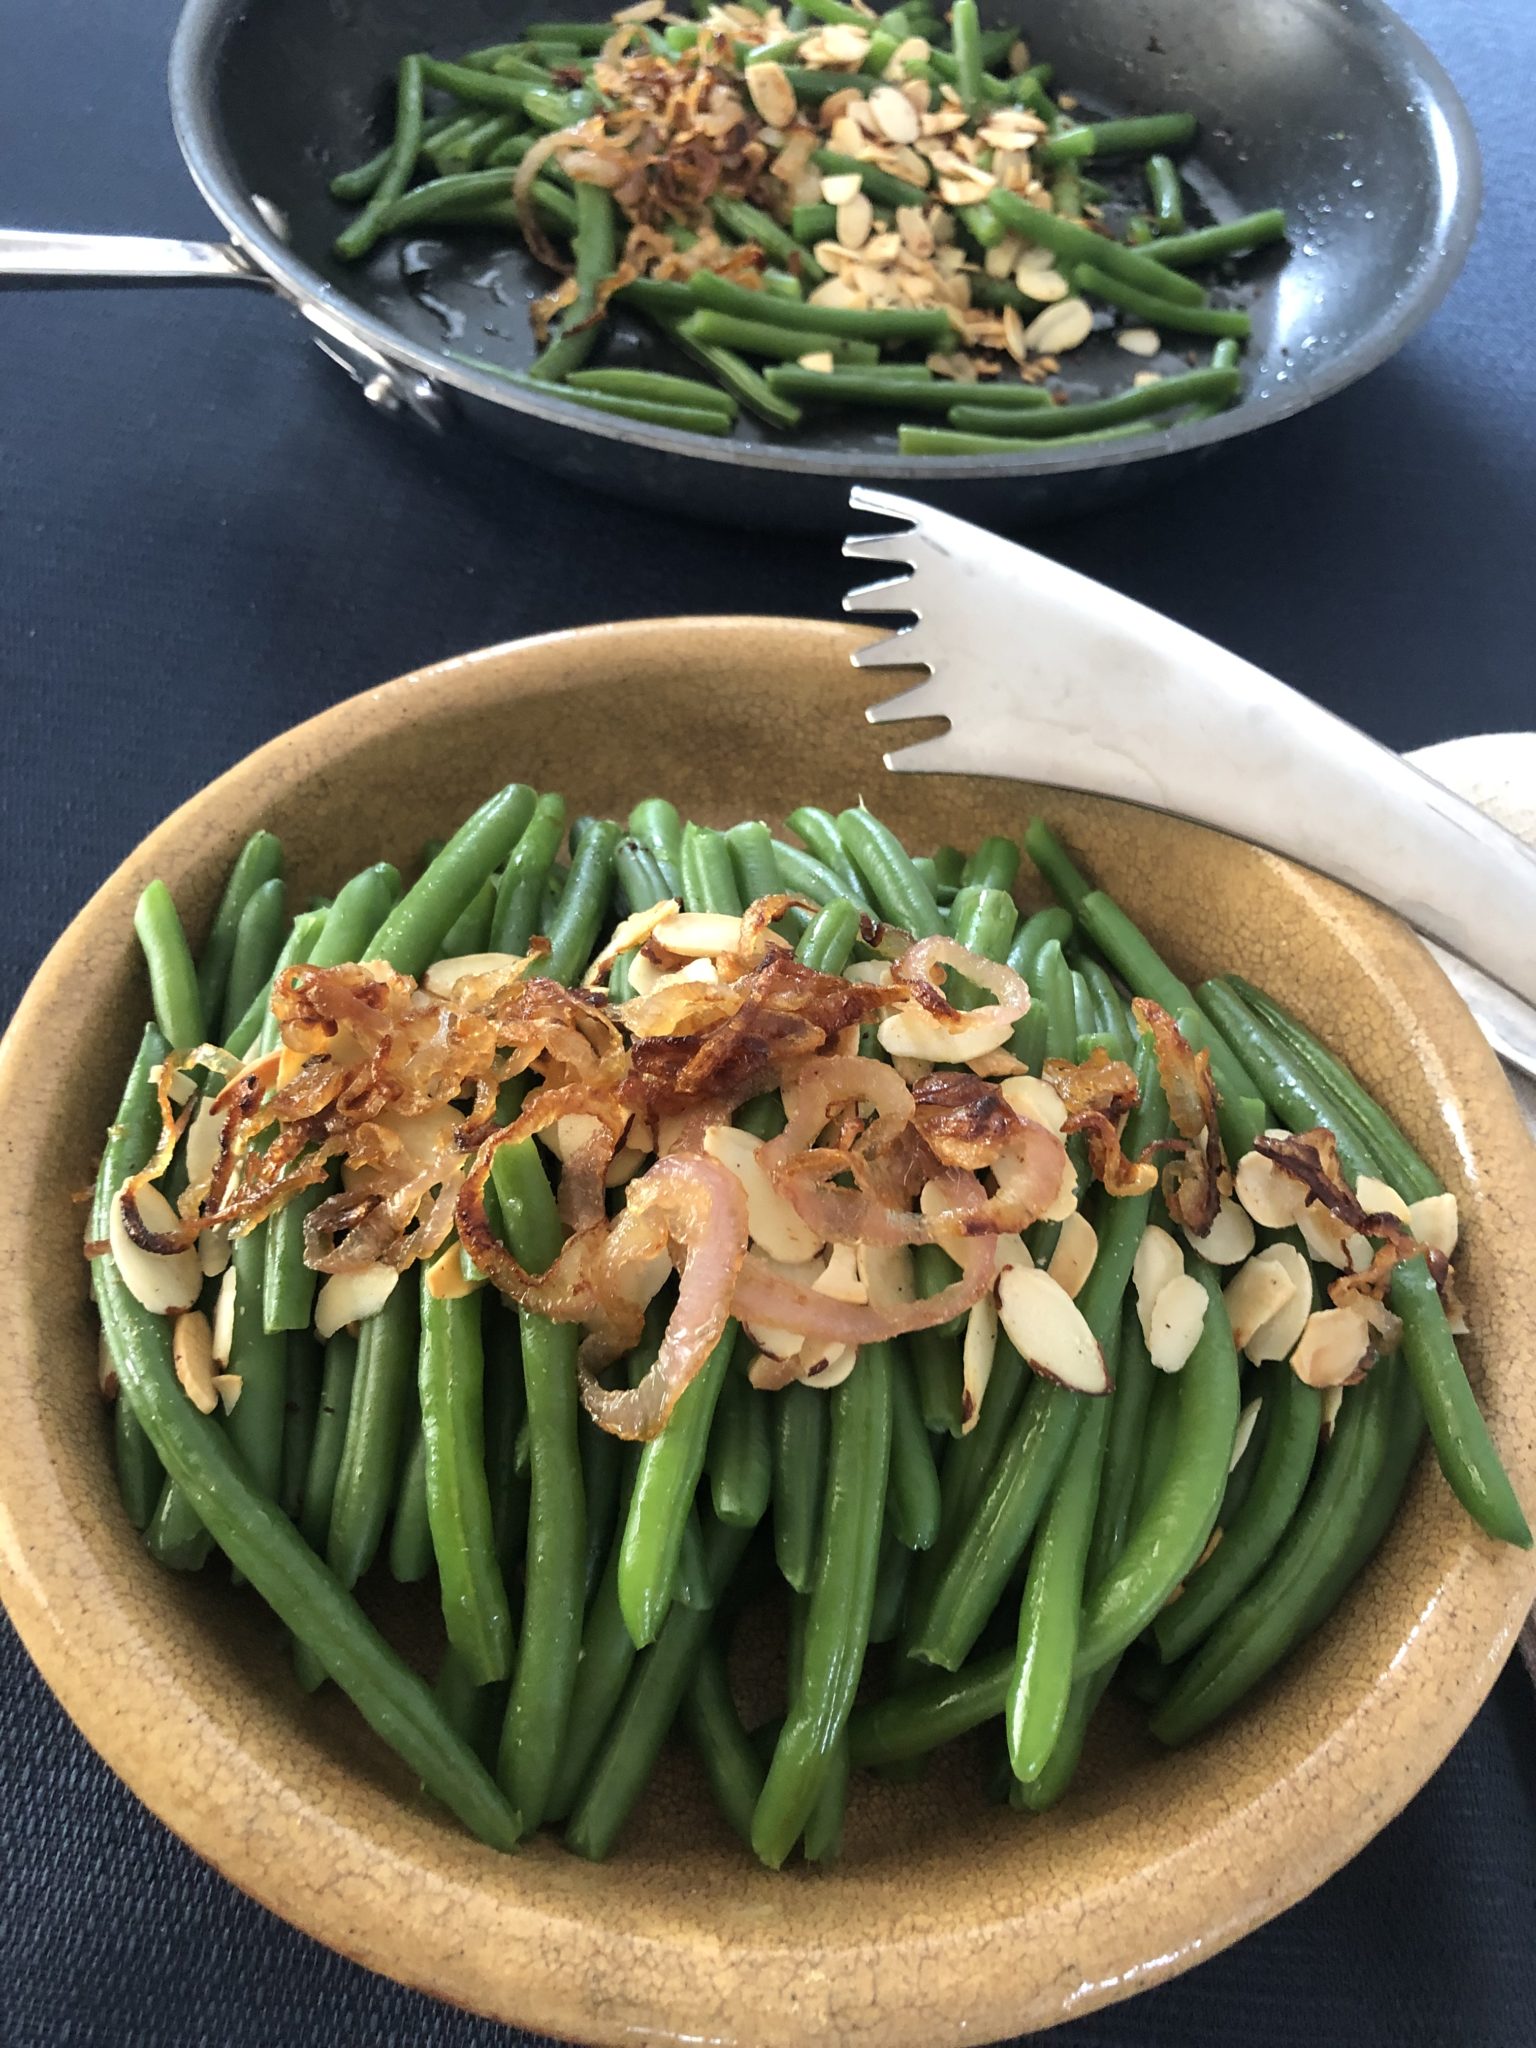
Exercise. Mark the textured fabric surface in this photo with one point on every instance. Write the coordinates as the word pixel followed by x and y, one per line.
pixel 204 536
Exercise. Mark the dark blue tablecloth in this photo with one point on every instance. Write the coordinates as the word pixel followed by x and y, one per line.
pixel 204 536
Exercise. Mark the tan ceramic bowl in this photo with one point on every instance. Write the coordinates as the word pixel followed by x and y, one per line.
pixel 948 1920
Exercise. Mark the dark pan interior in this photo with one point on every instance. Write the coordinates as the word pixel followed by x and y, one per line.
pixel 1304 104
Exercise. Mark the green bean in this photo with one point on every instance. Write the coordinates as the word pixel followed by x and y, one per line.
pixel 828 940
pixel 176 1537
pixel 1028 1043
pixel 939 1707
pixel 1167 1541
pixel 761 338
pixel 452 1387
pixel 708 878
pixel 749 223
pixel 505 1414
pixel 1226 238
pixel 740 1453
pixel 778 52
pixel 655 1692
pixel 325 1455
pixel 655 823
pixel 262 1544
pixel 879 324
pixel 437 148
pixel 1096 282
pixel 594 248
pixel 554 1590
pixel 657 386
pixel 357 239
pixel 1138 136
pixel 522 882
pixel 835 11
pixel 1073 244
pixel 1465 1450
pixel 666 1479
pixel 471 151
pixel 258 862
pixel 900 893
pixel 1239 1486
pixel 607 1657
pixel 410 1535
pixel 583 906
pixel 602 1468
pixel 258 943
pixel 919 440
pixel 913 1503
pixel 800 1418
pixel 994 865
pixel 812 878
pixel 1114 1019
pixel 753 862
pixel 1249 1539
pixel 730 1762
pixel 724 364
pixel 172 977
pixel 359 183
pixel 823 1840
pixel 1038 1694
pixel 856 386
pixel 301 1407
pixel 1134 1380
pixel 691 419
pixel 1343 1516
pixel 306 928
pixel 1285 1081
pixel 259 1358
pixel 983 919
pixel 471 933
pixel 129 1142
pixel 891 1582
pixel 693 1586
pixel 841 1602
pixel 411 937
pixel 470 198
pixel 1217 387
pixel 965 28
pixel 1166 191
pixel 368 1469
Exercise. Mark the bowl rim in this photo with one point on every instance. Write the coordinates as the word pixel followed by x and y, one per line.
pixel 204 146
pixel 1344 1808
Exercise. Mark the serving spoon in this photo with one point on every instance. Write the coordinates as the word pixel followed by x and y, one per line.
pixel 1046 676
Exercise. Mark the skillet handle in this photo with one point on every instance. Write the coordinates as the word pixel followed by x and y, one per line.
pixel 38 257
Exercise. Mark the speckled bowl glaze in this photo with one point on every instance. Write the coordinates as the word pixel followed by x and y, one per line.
pixel 949 1920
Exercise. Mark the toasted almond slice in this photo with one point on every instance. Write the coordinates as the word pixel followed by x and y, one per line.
pixel 885 1270
pixel 1334 1347
pixel 352 1298
pixel 213 1250
pixel 1028 1096
pixel 1322 1243
pixel 224 1318
pixel 1178 1317
pixel 1143 378
pixel 443 976
pixel 913 50
pixel 1044 286
pixel 1065 1200
pixel 846 136
pixel 1159 1259
pixel 192 1355
pixel 699 934
pixel 977 1355
pixel 642 10
pixel 1256 1291
pixel 165 1284
pixel 842 43
pixel 818 359
pixel 772 94
pixel 915 1035
pixel 1333 1401
pixel 447 1279
pixel 1230 1238
pixel 1139 341
pixel 1012 1251
pixel 1272 1198
pixel 855 221
pixel 1035 256
pixel 829 1365
pixel 835 291
pixel 841 1278
pixel 1076 1249
pixel 1060 327
pixel 771 1223
pixel 895 116
pixel 1002 258
pixel 628 933
pixel 1277 1337
pixel 624 1165
pixel 645 979
pixel 1245 1428
pixel 1379 1198
pixel 1013 334
pixel 204 1136
pixel 1047 1329
pixel 1434 1221
pixel 228 1385
pixel 838 187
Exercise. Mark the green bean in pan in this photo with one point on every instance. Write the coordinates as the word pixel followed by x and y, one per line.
pixel 1101 281
pixel 748 223
pixel 258 942
pixel 879 324
pixel 782 344
pixel 657 387
pixel 172 977
pixel 362 181
pixel 1165 189
pixel 521 888
pixel 595 249
pixel 1073 244
pixel 263 1545
pixel 259 861
pixel 726 365
pixel 691 418
pixel 357 239
pixel 1137 136
pixel 1215 387
pixel 1225 238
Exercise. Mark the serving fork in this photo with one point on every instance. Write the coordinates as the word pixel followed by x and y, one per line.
pixel 1046 676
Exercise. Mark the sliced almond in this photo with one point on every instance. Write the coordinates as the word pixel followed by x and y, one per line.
pixel 192 1355
pixel 1047 1329
pixel 443 976
pixel 819 359
pixel 1139 341
pixel 1434 1221
pixel 628 933
pixel 771 1223
pixel 1230 1238
pixel 913 50
pixel 204 1136
pixel 855 221
pixel 887 1275
pixel 1333 1401
pixel 1379 1199
pixel 1060 328
pixel 1012 1251
pixel 772 94
pixel 842 43
pixel 346 1298
pixel 915 1035
pixel 772 1338
pixel 227 1386
pixel 1143 378
pixel 213 1250
pixel 1246 1423
pixel 977 1354
pixel 830 1366
pixel 1277 1337
pixel 1177 1318
pixel 166 1284
pixel 1322 1241
pixel 895 116
pixel 1035 256
pixel 568 1135
pixel 645 978
pixel 841 1278
pixel 1258 1290
pixel 447 1279
pixel 838 187
pixel 699 934
pixel 1076 1249
pixel 624 1165
pixel 1013 334
pixel 224 1318
pixel 1064 1201
pixel 1335 1346
pixel 916 234
pixel 1158 1260
pixel 1028 1096
pixel 1044 286
pixel 1272 1198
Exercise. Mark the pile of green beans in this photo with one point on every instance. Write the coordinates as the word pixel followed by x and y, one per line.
pixel 779 337
pixel 943 1567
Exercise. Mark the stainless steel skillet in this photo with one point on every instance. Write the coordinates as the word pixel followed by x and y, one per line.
pixel 1331 108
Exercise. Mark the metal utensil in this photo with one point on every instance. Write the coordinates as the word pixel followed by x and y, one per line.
pixel 1332 109
pixel 1049 677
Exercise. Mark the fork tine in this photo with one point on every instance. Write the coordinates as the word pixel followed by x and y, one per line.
pixel 923 700
pixel 936 756
pixel 894 594
pixel 882 547
pixel 885 504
